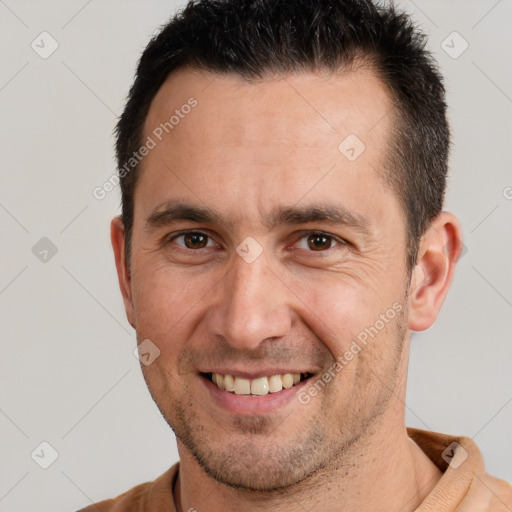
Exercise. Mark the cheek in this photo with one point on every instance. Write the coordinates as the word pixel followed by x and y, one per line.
pixel 338 309
pixel 361 330
pixel 164 305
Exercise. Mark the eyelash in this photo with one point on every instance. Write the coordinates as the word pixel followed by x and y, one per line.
pixel 337 240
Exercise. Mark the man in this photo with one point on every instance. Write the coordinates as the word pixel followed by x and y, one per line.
pixel 283 167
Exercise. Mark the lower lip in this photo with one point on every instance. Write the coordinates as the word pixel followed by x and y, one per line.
pixel 251 404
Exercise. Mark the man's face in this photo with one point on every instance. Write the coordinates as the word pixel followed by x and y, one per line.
pixel 264 158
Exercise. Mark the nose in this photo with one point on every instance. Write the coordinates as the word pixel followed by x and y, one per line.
pixel 251 306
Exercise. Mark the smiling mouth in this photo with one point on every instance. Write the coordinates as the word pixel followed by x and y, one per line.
pixel 256 387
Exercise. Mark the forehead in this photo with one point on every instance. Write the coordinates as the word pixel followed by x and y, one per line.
pixel 272 139
pixel 316 108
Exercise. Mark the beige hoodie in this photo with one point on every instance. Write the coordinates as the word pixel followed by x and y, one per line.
pixel 464 487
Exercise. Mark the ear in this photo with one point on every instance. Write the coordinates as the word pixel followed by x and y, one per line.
pixel 117 237
pixel 439 250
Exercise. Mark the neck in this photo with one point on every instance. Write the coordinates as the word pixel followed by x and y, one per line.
pixel 384 471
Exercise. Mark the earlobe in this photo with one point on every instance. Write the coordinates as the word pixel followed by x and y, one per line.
pixel 439 250
pixel 117 237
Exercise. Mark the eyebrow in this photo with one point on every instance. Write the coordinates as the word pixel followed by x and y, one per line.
pixel 173 212
pixel 328 213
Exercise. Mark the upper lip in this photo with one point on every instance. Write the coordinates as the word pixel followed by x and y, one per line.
pixel 253 374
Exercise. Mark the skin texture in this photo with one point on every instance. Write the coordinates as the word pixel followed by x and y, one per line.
pixel 245 150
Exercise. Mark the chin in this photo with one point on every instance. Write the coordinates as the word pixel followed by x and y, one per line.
pixel 261 457
pixel 254 470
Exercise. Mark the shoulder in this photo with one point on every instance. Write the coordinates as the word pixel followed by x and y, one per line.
pixel 132 500
pixel 499 492
pixel 145 497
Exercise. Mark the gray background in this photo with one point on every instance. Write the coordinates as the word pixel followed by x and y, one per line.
pixel 67 369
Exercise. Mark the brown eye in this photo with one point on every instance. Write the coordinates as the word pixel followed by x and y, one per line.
pixel 319 242
pixel 193 240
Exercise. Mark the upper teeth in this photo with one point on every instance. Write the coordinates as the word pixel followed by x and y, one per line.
pixel 261 386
